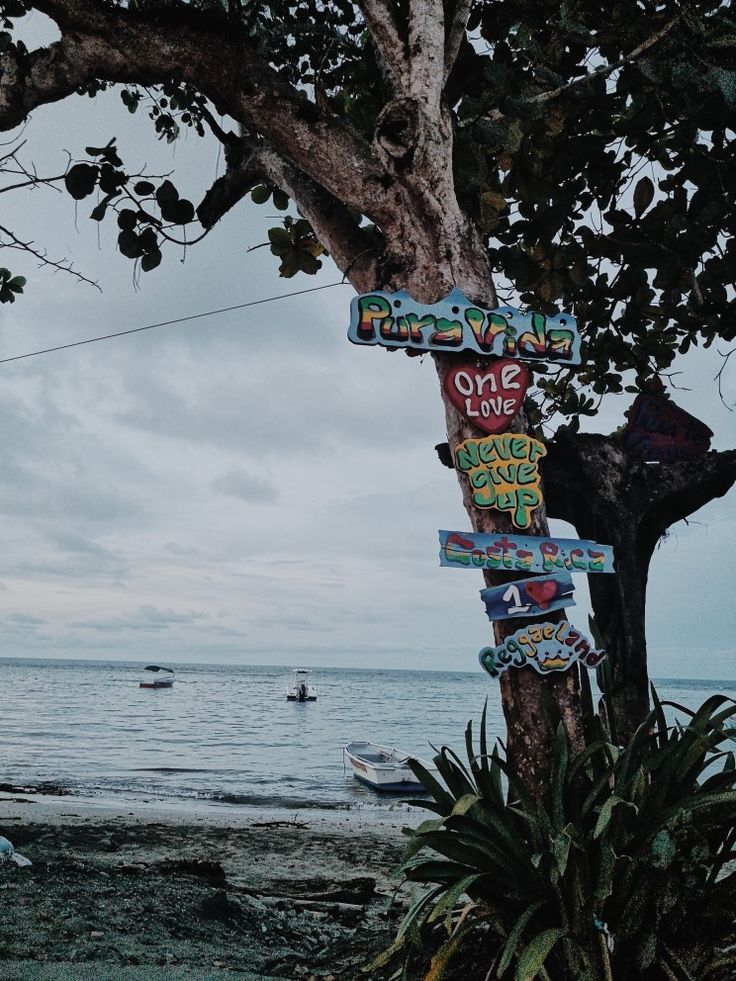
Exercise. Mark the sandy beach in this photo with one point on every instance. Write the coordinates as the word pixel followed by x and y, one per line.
pixel 146 893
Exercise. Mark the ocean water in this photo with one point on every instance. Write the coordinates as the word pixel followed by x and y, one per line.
pixel 226 734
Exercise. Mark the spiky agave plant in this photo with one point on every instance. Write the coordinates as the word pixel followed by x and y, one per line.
pixel 623 872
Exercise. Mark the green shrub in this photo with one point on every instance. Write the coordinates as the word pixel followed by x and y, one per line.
pixel 622 872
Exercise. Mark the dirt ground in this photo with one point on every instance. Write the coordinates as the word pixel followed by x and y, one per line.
pixel 125 897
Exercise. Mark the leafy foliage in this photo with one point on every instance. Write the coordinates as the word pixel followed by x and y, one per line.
pixel 135 199
pixel 297 247
pixel 624 870
pixel 10 286
pixel 616 197
pixel 594 149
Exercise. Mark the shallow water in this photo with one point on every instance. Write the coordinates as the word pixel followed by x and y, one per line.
pixel 226 733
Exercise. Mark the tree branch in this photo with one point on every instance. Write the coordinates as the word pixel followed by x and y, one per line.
pixel 354 252
pixel 604 71
pixel 118 45
pixel 427 53
pixel 389 46
pixel 63 265
pixel 244 170
pixel 337 229
pixel 455 35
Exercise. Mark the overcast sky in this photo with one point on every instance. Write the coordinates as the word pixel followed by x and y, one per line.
pixel 251 487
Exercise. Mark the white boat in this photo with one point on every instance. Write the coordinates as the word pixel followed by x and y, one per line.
pixel 158 679
pixel 385 768
pixel 301 689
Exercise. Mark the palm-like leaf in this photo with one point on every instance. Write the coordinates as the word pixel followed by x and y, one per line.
pixel 640 838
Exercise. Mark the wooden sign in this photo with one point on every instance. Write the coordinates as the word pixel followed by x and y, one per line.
pixel 503 473
pixel 456 324
pixel 529 597
pixel 476 550
pixel 546 647
pixel 660 431
pixel 490 396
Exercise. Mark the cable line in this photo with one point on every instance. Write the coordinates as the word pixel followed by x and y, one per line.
pixel 169 323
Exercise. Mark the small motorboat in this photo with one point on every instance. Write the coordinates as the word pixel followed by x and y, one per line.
pixel 384 768
pixel 301 690
pixel 161 680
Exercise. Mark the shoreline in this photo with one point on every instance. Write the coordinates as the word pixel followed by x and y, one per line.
pixel 152 892
pixel 34 808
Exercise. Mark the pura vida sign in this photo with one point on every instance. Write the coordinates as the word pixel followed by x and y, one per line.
pixel 456 324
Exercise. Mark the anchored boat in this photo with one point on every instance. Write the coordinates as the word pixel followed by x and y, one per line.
pixel 158 679
pixel 385 768
pixel 301 689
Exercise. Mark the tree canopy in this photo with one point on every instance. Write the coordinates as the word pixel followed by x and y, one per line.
pixel 592 147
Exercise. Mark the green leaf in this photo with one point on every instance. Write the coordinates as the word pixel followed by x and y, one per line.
pixel 536 953
pixel 99 211
pixel 260 194
pixel 451 896
pixel 509 950
pixel 150 260
pixel 179 212
pixel 280 200
pixel 643 195
pixel 81 180
pixel 607 811
pixel 129 243
pixel 127 219
pixel 664 849
pixel 166 194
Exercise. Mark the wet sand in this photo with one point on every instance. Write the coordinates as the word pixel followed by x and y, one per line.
pixel 156 893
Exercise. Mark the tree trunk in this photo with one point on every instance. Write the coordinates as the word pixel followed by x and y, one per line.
pixel 591 482
pixel 431 249
pixel 523 692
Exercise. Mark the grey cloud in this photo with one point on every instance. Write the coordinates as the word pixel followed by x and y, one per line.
pixel 144 618
pixel 238 483
pixel 25 619
pixel 182 550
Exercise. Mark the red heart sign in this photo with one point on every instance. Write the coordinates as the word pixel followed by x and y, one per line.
pixel 541 592
pixel 490 396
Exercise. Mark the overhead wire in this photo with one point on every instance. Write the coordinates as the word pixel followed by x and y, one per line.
pixel 170 323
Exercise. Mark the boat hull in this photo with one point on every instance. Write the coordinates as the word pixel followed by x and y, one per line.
pixel 385 770
pixel 156 684
pixel 396 787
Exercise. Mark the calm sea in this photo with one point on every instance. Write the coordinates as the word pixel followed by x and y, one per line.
pixel 226 734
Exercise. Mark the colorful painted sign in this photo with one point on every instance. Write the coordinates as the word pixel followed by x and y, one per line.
pixel 546 647
pixel 529 597
pixel 456 324
pixel 658 430
pixel 476 550
pixel 503 473
pixel 490 396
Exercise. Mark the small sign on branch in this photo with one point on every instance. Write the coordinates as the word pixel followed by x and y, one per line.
pixel 456 324
pixel 660 431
